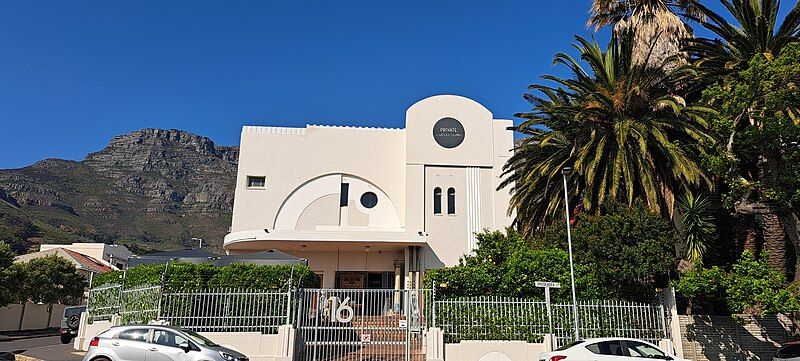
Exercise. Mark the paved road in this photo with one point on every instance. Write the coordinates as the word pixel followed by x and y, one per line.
pixel 45 348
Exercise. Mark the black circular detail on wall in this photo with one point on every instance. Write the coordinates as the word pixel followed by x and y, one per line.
pixel 369 200
pixel 448 132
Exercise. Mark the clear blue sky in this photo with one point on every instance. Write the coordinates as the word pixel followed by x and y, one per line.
pixel 73 74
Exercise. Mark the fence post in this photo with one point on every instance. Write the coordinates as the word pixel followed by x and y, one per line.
pixel 433 321
pixel 160 298
pixel 120 299
pixel 288 306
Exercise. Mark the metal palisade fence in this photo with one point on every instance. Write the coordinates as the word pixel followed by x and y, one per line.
pixel 510 318
pixel 226 309
pixel 383 313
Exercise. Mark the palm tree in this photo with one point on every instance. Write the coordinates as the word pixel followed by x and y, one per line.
pixel 755 33
pixel 618 124
pixel 696 226
pixel 649 20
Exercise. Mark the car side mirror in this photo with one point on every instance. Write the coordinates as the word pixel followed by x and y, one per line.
pixel 185 347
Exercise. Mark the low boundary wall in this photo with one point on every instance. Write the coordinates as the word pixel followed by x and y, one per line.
pixel 742 337
pixel 257 346
pixel 31 316
pixel 493 351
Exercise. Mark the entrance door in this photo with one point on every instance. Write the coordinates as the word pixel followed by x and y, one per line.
pixel 343 327
pixel 356 280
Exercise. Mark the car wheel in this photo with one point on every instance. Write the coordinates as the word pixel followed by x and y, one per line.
pixel 73 321
pixel 65 339
pixel 101 358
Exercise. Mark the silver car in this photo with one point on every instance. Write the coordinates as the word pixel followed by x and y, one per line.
pixel 156 343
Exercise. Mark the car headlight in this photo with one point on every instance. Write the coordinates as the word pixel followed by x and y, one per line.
pixel 229 357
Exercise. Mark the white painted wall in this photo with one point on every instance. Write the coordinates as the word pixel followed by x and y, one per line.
pixel 493 351
pixel 304 169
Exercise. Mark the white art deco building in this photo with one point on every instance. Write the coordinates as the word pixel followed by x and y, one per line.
pixel 374 207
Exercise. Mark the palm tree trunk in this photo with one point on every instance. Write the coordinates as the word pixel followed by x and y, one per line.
pixel 791 224
pixel 774 239
pixel 769 227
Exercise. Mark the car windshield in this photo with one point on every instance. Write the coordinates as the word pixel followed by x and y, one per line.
pixel 196 337
pixel 562 348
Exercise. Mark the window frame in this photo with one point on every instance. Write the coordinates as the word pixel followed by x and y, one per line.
pixel 622 347
pixel 146 334
pixel 628 346
pixel 437 201
pixel 451 201
pixel 250 177
pixel 174 334
pixel 344 194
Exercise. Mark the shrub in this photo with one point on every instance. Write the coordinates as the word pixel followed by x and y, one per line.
pixel 182 276
pixel 505 264
pixel 753 287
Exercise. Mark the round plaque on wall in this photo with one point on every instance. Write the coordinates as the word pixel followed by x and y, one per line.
pixel 448 132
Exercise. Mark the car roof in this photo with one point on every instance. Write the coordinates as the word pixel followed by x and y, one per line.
pixel 600 339
pixel 166 327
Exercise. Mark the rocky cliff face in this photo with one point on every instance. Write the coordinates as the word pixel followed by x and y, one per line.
pixel 151 189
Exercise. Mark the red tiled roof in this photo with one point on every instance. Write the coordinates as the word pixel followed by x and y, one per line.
pixel 87 262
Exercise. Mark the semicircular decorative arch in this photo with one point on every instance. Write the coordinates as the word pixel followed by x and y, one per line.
pixel 318 203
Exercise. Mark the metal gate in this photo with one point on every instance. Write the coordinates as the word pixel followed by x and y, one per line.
pixel 349 325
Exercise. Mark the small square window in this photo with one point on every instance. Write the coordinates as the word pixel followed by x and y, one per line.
pixel 256 182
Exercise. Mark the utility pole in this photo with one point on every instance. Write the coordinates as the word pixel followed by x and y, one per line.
pixel 564 173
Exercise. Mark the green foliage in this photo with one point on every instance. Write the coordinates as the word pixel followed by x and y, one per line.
pixel 506 264
pixel 758 115
pixel 630 250
pixel 11 277
pixel 15 227
pixel 701 285
pixel 52 279
pixel 619 124
pixel 6 255
pixel 183 276
pixel 696 226
pixel 624 254
pixel 753 287
pixel 756 31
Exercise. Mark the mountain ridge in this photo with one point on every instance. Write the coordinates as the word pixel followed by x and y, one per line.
pixel 150 189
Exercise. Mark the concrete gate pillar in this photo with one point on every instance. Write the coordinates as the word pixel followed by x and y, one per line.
pixel 434 344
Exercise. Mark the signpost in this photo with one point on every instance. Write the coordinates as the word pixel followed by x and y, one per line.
pixel 547 286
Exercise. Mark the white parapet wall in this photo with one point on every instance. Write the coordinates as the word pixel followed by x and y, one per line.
pixel 493 351
pixel 257 346
pixel 437 350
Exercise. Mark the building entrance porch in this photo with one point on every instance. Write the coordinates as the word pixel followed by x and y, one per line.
pixel 352 264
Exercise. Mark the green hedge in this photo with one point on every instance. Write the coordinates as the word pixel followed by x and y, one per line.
pixel 183 276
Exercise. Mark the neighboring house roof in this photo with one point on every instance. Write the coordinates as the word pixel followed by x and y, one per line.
pixel 271 257
pixel 81 261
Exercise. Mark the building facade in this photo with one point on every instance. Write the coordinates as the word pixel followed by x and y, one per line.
pixel 374 207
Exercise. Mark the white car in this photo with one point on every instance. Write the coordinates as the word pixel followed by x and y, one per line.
pixel 608 349
pixel 788 352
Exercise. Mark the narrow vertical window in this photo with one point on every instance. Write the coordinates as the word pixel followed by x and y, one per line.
pixel 437 200
pixel 451 201
pixel 344 194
